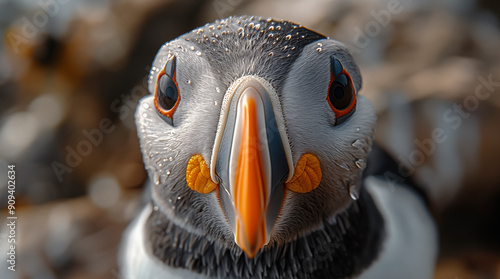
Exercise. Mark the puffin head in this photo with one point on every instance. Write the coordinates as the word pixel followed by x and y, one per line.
pixel 254 133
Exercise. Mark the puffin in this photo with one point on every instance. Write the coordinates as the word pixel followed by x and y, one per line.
pixel 261 164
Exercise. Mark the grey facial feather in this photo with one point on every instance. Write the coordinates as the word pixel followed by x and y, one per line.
pixel 309 119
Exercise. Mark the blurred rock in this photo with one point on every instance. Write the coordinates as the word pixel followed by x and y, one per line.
pixel 72 239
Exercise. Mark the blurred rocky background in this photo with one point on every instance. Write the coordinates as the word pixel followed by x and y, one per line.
pixel 72 71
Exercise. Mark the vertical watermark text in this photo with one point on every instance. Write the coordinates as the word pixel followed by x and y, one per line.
pixel 11 217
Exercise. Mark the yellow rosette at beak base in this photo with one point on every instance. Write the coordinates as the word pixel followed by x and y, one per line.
pixel 307 175
pixel 198 175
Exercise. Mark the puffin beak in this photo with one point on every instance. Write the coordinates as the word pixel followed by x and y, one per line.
pixel 251 173
pixel 251 167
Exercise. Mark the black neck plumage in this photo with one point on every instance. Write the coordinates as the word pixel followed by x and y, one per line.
pixel 341 248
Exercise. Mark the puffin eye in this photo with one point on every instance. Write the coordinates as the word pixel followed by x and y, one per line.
pixel 341 94
pixel 167 92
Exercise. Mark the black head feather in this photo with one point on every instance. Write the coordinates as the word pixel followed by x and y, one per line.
pixel 244 45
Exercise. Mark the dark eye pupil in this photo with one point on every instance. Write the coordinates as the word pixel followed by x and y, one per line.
pixel 340 93
pixel 171 94
pixel 167 93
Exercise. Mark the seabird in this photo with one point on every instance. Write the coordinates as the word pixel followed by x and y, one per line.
pixel 256 143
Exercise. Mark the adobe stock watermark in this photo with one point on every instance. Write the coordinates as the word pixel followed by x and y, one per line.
pixel 225 7
pixel 362 36
pixel 372 28
pixel 30 26
pixel 124 106
pixel 454 117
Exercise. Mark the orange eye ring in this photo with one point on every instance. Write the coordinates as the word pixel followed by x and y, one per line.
pixel 341 93
pixel 167 95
